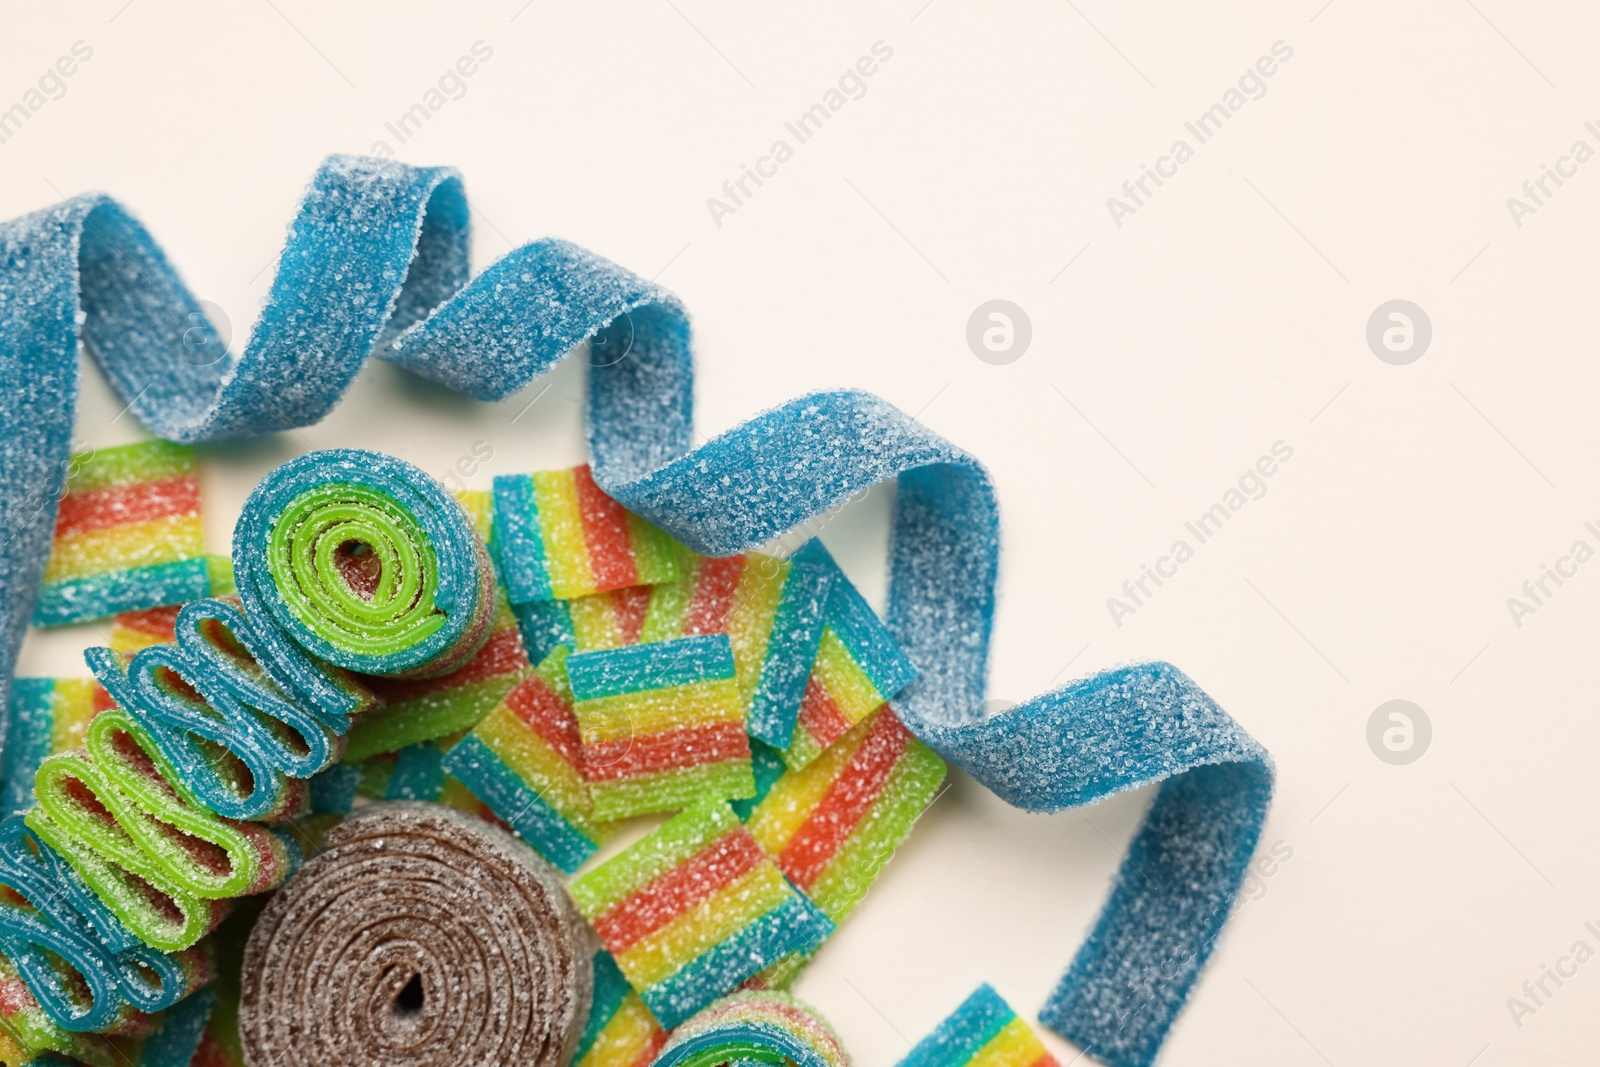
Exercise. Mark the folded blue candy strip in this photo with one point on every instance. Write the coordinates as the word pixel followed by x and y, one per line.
pixel 376 264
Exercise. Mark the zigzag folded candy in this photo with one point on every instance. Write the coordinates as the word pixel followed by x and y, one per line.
pixel 661 725
pixel 833 826
pixel 755 1027
pixel 127 535
pixel 366 562
pixel 621 1032
pixel 858 667
pixel 524 760
pixel 85 972
pixel 25 1025
pixel 983 1032
pixel 694 909
pixel 558 536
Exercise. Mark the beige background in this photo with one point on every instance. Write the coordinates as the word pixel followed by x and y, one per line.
pixel 1226 314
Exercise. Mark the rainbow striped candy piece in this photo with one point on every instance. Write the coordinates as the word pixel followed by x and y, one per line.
pixel 558 536
pixel 755 1028
pixel 834 825
pixel 983 1032
pixel 134 631
pixel 127 534
pixel 771 609
pixel 858 667
pixel 48 715
pixel 621 1032
pixel 695 908
pixel 661 725
pixel 524 761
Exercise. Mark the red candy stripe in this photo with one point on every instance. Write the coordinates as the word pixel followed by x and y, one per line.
pixel 605 532
pixel 693 746
pixel 668 896
pixel 834 819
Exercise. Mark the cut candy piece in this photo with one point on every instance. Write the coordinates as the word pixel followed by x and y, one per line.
pixel 755 1028
pixel 366 562
pixel 983 1032
pixel 833 826
pixel 48 715
pixel 524 761
pixel 621 1031
pixel 127 534
pixel 858 667
pixel 560 537
pixel 612 619
pixel 694 909
pixel 766 763
pixel 661 725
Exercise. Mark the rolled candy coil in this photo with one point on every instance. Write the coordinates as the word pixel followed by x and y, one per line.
pixel 419 935
pixel 765 1027
pixel 366 562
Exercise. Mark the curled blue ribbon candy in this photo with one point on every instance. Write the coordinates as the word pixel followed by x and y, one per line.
pixel 376 264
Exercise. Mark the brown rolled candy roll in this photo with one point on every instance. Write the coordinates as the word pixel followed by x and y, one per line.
pixel 419 937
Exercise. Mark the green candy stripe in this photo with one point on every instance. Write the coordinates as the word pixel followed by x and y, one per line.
pixel 302 552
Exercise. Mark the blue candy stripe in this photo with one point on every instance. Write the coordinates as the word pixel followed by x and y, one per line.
pixel 403 232
pixel 610 990
pixel 970 1027
pixel 418 774
pixel 519 546
pixel 27 742
pixel 63 602
pixel 657 665
pixel 792 648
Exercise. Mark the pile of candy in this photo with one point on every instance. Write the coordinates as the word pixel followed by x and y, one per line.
pixel 546 656
pixel 365 642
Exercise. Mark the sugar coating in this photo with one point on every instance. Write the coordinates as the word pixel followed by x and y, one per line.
pixel 982 1031
pixel 833 826
pixel 132 631
pixel 773 1022
pixel 376 261
pixel 558 536
pixel 620 1032
pixel 693 909
pixel 408 891
pixel 525 762
pixel 660 725
pixel 858 665
pixel 26 1026
pixel 127 534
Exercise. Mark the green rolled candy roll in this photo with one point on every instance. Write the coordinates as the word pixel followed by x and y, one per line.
pixel 366 562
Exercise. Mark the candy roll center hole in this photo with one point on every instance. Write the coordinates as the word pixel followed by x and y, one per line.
pixel 360 567
pixel 408 1002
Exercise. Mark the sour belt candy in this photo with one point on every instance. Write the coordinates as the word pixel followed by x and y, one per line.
pixel 621 1032
pixel 419 935
pixel 366 562
pixel 833 826
pixel 127 534
pixel 661 725
pixel 524 760
pixel 983 1032
pixel 859 665
pixel 560 537
pixel 695 908
pixel 755 1028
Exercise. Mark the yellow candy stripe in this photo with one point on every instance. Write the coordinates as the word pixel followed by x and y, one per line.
pixel 561 526
pixel 704 926
pixel 139 544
